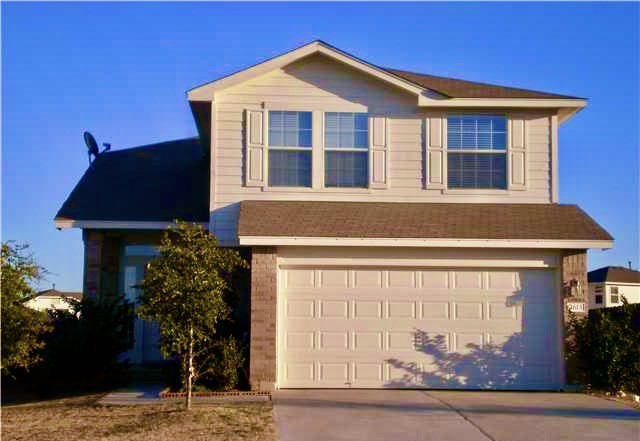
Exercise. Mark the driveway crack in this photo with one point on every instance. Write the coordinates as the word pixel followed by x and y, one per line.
pixel 462 414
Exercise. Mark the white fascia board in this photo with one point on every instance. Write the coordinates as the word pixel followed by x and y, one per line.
pixel 207 91
pixel 62 224
pixel 435 243
pixel 502 102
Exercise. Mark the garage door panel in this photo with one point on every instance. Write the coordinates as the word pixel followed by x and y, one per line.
pixel 355 327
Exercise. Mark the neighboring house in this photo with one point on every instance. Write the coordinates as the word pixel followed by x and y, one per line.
pixel 608 285
pixel 404 229
pixel 52 299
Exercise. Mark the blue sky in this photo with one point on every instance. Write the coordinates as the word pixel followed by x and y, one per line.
pixel 121 70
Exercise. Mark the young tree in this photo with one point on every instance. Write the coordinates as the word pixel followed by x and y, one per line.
pixel 22 328
pixel 183 290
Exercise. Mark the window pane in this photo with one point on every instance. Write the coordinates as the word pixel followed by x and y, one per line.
pixel 346 169
pixel 477 170
pixel 477 132
pixel 289 129
pixel 346 130
pixel 361 139
pixel 289 168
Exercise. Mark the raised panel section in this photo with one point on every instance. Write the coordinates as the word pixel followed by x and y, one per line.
pixel 379 170
pixel 402 309
pixel 468 343
pixel 334 372
pixel 518 169
pixel 435 279
pixel 435 310
pixel 402 279
pixel 517 133
pixel 299 371
pixel 334 340
pixel 300 278
pixel 255 163
pixel 435 132
pixel 334 309
pixel 368 341
pixel 299 308
pixel 468 279
pixel 367 278
pixel 256 129
pixel 468 310
pixel 367 372
pixel 367 309
pixel 436 160
pixel 500 311
pixel 334 278
pixel 502 280
pixel 403 341
pixel 299 340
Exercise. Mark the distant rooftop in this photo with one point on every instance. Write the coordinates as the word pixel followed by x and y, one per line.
pixel 614 274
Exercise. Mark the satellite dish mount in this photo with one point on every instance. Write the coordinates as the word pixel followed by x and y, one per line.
pixel 92 146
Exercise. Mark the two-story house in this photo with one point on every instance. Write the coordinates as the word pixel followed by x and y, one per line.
pixel 610 284
pixel 404 229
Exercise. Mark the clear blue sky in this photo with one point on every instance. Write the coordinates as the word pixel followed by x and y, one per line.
pixel 121 70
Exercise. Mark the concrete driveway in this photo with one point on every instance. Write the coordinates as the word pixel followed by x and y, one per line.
pixel 408 415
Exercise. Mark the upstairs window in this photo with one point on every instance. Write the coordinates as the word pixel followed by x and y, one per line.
pixel 477 151
pixel 615 295
pixel 346 143
pixel 290 149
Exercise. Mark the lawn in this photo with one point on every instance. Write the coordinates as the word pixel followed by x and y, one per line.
pixel 81 418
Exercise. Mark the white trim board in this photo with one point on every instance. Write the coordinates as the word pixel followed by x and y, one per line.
pixel 416 242
pixel 63 224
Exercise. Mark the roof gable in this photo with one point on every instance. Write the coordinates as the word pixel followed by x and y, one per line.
pixel 206 92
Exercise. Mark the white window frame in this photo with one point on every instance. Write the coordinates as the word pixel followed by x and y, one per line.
pixel 345 149
pixel 269 147
pixel 504 152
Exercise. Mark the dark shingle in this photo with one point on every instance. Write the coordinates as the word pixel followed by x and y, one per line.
pixel 417 220
pixel 455 88
pixel 614 274
pixel 157 182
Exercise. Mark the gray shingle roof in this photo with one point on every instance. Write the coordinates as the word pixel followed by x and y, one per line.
pixel 157 182
pixel 417 220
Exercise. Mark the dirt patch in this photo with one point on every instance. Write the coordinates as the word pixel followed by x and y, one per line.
pixel 81 418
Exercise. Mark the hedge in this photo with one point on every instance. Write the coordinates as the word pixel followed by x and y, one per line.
pixel 603 351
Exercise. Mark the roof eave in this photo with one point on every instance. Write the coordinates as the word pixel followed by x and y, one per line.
pixel 66 223
pixel 245 240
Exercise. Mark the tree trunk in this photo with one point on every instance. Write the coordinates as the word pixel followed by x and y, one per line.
pixel 190 371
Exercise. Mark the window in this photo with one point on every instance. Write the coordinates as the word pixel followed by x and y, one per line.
pixel 289 149
pixel 598 299
pixel 615 295
pixel 477 151
pixel 346 143
pixel 598 288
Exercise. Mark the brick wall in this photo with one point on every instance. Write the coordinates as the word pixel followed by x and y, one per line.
pixel 574 279
pixel 262 357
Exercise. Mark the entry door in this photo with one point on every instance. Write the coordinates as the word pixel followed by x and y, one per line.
pixel 343 327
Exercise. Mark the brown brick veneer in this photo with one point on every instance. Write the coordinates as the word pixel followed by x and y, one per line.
pixel 264 289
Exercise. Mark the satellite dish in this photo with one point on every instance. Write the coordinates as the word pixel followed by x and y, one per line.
pixel 92 145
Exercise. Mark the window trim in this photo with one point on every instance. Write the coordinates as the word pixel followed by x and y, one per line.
pixel 269 147
pixel 506 152
pixel 326 149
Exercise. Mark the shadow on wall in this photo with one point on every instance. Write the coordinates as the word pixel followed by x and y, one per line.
pixel 522 355
pixel 488 366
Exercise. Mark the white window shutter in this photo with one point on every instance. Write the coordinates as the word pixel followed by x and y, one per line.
pixel 436 155
pixel 255 131
pixel 517 153
pixel 379 142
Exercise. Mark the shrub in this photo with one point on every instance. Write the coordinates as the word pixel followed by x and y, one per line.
pixel 604 350
pixel 82 351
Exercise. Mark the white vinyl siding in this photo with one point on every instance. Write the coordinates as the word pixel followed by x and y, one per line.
pixel 320 85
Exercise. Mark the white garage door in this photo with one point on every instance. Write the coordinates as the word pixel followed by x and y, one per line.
pixel 436 328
